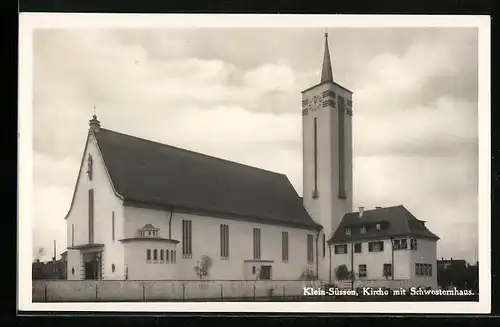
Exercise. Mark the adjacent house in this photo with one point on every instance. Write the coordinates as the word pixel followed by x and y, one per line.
pixel 385 244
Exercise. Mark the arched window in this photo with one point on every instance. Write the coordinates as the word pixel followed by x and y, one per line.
pixel 155 254
pixel 161 255
pixel 148 254
pixel 166 253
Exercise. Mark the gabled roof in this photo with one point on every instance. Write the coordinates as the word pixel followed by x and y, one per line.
pixel 394 221
pixel 148 172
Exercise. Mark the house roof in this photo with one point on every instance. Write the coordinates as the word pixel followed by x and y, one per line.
pixel 148 172
pixel 394 221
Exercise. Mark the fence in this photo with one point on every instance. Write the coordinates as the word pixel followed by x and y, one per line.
pixel 171 290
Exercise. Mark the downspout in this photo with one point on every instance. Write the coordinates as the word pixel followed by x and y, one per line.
pixel 352 265
pixel 392 258
pixel 317 256
pixel 329 263
pixel 170 224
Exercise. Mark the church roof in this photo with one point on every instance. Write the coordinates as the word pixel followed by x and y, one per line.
pixel 394 221
pixel 146 172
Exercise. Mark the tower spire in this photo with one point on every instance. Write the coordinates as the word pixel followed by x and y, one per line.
pixel 326 72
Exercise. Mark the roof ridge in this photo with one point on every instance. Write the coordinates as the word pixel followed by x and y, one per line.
pixel 193 152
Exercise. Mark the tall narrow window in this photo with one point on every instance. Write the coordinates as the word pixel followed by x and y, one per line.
pixel 186 239
pixel 324 245
pixel 155 254
pixel 91 216
pixel 284 246
pixel 161 255
pixel 148 254
pixel 256 243
pixel 113 225
pixel 315 190
pixel 167 256
pixel 341 124
pixel 224 241
pixel 72 235
pixel 173 256
pixel 310 253
pixel 89 167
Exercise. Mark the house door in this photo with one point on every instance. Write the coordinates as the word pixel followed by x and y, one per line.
pixel 265 272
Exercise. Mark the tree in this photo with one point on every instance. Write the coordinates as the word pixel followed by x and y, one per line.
pixel 39 254
pixel 342 273
pixel 202 266
pixel 308 274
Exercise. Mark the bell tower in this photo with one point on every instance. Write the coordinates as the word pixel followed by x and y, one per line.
pixel 327 155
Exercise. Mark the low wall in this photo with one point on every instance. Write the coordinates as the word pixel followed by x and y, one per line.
pixel 110 290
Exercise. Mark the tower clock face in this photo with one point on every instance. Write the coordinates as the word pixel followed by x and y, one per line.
pixel 316 103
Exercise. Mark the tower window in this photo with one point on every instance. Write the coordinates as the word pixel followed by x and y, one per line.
pixel 315 190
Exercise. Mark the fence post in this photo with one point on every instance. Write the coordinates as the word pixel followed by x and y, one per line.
pixel 183 291
pixel 45 291
pixel 97 291
pixel 283 292
pixel 143 292
pixel 254 292
pixel 221 292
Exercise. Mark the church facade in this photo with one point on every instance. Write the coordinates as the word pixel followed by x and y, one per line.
pixel 142 210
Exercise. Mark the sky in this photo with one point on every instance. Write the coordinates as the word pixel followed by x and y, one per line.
pixel 235 94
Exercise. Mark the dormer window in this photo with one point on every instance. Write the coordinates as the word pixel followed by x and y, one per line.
pixel 347 231
pixel 89 166
pixel 363 230
pixel 149 231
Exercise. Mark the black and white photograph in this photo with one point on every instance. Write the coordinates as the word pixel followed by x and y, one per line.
pixel 288 162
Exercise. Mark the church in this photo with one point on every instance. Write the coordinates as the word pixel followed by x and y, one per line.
pixel 142 210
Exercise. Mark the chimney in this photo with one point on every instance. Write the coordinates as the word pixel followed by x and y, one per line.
pixel 94 124
pixel 361 211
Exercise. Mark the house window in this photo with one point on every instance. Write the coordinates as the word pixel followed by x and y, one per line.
pixel 224 241
pixel 167 256
pixel 324 245
pixel 256 243
pixel 155 255
pixel 173 256
pixel 310 242
pixel 387 270
pixel 187 250
pixel 357 247
pixel 423 270
pixel 400 244
pixel 347 231
pixel 148 255
pixel 362 270
pixel 363 230
pixel 413 244
pixel 341 249
pixel 113 225
pixel 162 255
pixel 284 246
pixel 376 246
pixel 89 167
pixel 91 216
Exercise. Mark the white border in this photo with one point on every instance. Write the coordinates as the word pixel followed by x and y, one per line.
pixel 31 21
